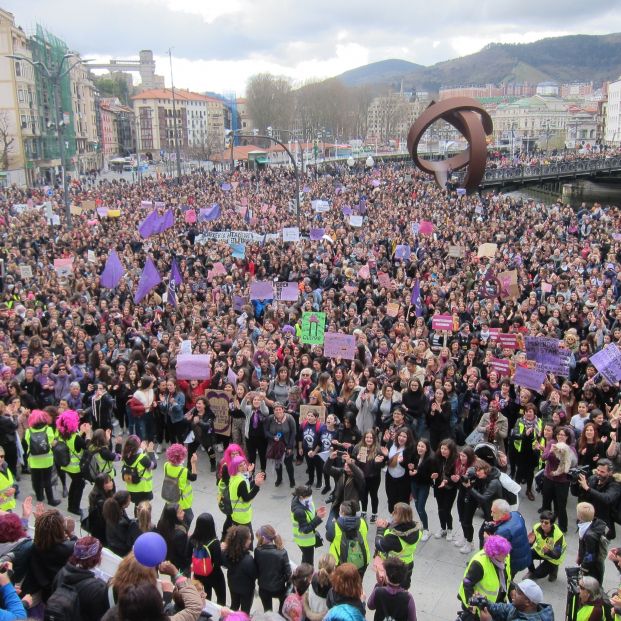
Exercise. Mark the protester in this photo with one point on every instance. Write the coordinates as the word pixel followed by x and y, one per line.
pixel 548 546
pixel 591 535
pixel 273 567
pixel 242 573
pixel 205 545
pixel 305 520
pixel 526 602
pixel 389 598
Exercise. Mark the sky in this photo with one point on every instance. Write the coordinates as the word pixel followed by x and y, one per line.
pixel 218 44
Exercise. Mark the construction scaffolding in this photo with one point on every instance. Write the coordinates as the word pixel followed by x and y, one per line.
pixel 50 50
pixel 230 100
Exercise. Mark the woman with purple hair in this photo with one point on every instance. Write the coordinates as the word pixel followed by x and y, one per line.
pixel 177 480
pixel 68 425
pixel 39 438
pixel 488 574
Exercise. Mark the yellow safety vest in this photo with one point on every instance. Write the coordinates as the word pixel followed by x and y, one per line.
pixel 39 462
pixel 555 537
pixel 585 612
pixel 304 540
pixel 181 474
pixel 521 427
pixel 7 503
pixel 74 463
pixel 489 585
pixel 146 476
pixel 406 554
pixel 338 550
pixel 242 510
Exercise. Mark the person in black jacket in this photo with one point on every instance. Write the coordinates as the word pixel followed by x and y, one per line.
pixel 438 419
pixel 121 531
pixel 102 490
pixel 92 592
pixel 172 527
pixel 416 405
pixel 101 408
pixel 370 460
pixel 420 470
pixel 273 567
pixel 205 535
pixel 305 526
pixel 591 555
pixel 242 570
pixel 389 599
pixel 8 439
pixel 602 491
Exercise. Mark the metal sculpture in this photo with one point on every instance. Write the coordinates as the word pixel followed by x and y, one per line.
pixel 469 118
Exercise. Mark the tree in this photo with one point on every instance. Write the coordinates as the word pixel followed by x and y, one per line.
pixel 270 102
pixel 112 85
pixel 6 141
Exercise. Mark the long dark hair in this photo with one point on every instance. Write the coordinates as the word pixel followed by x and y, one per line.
pixel 114 508
pixel 168 523
pixel 204 530
pixel 141 602
pixel 453 455
pixel 130 449
pixel 236 541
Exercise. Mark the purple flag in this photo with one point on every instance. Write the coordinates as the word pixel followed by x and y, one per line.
pixel 167 221
pixel 149 225
pixel 415 299
pixel 150 278
pixel 113 271
pixel 317 234
pixel 173 282
pixel 210 213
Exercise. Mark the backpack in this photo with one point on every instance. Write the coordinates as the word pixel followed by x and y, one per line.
pixel 224 499
pixel 202 563
pixel 130 474
pixel 64 603
pixel 62 454
pixel 355 552
pixel 39 442
pixel 89 466
pixel 170 487
pixel 510 490
pixel 136 407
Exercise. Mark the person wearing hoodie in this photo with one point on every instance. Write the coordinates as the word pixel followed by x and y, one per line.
pixel 78 574
pixel 305 520
pixel 526 603
pixel 399 539
pixel 349 544
pixel 591 531
pixel 415 404
pixel 389 598
pixel 273 567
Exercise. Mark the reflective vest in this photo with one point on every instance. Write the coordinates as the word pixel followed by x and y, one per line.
pixel 550 541
pixel 146 477
pixel 406 554
pixel 338 547
pixel 7 503
pixel 242 510
pixel 585 612
pixel 489 585
pixel 304 540
pixel 521 428
pixel 39 462
pixel 74 463
pixel 181 474
pixel 103 466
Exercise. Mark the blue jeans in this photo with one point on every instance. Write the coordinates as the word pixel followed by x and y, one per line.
pixel 420 494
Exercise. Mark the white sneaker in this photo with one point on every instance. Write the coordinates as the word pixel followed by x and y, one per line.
pixel 458 542
pixel 425 536
pixel 449 535
pixel 466 548
pixel 440 534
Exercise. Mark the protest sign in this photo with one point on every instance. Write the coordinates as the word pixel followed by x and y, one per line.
pixel 507 341
pixel 186 347
pixel 231 377
pixel 75 210
pixel 392 309
pixel 548 354
pixel 546 287
pixel 509 287
pixel 363 455
pixel 193 367
pixel 238 303
pixel 63 267
pixel 319 410
pixel 91 257
pixel 261 290
pixel 238 251
pixel 355 221
pixel 608 363
pixel 442 323
pixel 364 272
pixel 529 378
pixel 487 251
pixel 337 345
pixel 190 216
pixel 219 269
pixel 347 210
pixel 236 237
pixel 219 403
pixel 291 234
pixel 320 206
pixel 286 291
pixel 425 227
pixel 317 234
pixel 313 328
pixel 88 205
pixel 403 252
pixel 502 367
pixel 25 271
pixel 456 251
pixel 384 280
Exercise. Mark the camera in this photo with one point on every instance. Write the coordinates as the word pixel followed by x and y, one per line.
pixel 5 559
pixel 574 473
pixel 469 477
pixel 489 527
pixel 573 578
pixel 478 601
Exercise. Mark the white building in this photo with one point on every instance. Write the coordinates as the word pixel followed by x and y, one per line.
pixel 613 114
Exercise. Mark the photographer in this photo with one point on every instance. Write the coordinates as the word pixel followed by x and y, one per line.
pixel 485 489
pixel 11 606
pixel 593 606
pixel 602 491
pixel 591 532
pixel 526 603
pixel 548 545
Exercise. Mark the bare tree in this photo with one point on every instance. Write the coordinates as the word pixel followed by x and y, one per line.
pixel 269 101
pixel 6 141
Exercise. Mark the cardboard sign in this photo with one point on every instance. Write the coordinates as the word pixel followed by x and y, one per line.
pixel 363 455
pixel 456 251
pixel 219 403
pixel 286 291
pixel 91 257
pixel 320 206
pixel 487 251
pixel 25 271
pixel 89 205
pixel 337 345
pixel 502 367
pixel 75 210
pixel 608 363
pixel 313 328
pixel 261 290
pixel 392 309
pixel 442 323
pixel 355 221
pixel 63 267
pixel 509 287
pixel 319 410
pixel 546 287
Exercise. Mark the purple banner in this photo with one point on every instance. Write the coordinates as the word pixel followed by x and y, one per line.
pixel 608 363
pixel 403 252
pixel 286 291
pixel 548 354
pixel 337 345
pixel 317 234
pixel 261 290
pixel 191 367
pixel 529 378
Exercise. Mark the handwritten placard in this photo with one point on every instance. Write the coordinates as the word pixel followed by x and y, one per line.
pixel 337 345
pixel 548 354
pixel 219 403
pixel 291 234
pixel 487 251
pixel 392 309
pixel 313 328
pixel 261 290
pixel 529 378
pixel 286 291
pixel 608 363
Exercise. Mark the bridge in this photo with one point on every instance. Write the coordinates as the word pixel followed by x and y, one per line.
pixel 545 173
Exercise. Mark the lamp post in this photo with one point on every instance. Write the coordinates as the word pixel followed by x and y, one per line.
pixel 175 135
pixel 271 130
pixel 55 77
pixel 296 170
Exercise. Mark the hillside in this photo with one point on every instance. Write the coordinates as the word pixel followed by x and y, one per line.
pixel 564 59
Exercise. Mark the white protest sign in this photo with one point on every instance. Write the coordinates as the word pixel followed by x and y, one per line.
pixel 291 234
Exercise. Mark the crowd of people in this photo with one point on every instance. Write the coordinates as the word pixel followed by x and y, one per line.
pixel 90 397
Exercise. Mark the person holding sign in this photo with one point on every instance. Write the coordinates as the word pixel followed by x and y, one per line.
pixel 305 520
pixel 281 433
pixel 309 443
pixel 369 459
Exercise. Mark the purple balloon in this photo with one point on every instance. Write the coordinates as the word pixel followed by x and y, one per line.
pixel 150 549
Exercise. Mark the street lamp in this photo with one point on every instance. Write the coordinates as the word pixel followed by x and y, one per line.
pixel 55 78
pixel 296 170
pixel 271 130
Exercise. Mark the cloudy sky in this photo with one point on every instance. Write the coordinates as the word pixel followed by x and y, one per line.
pixel 218 44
